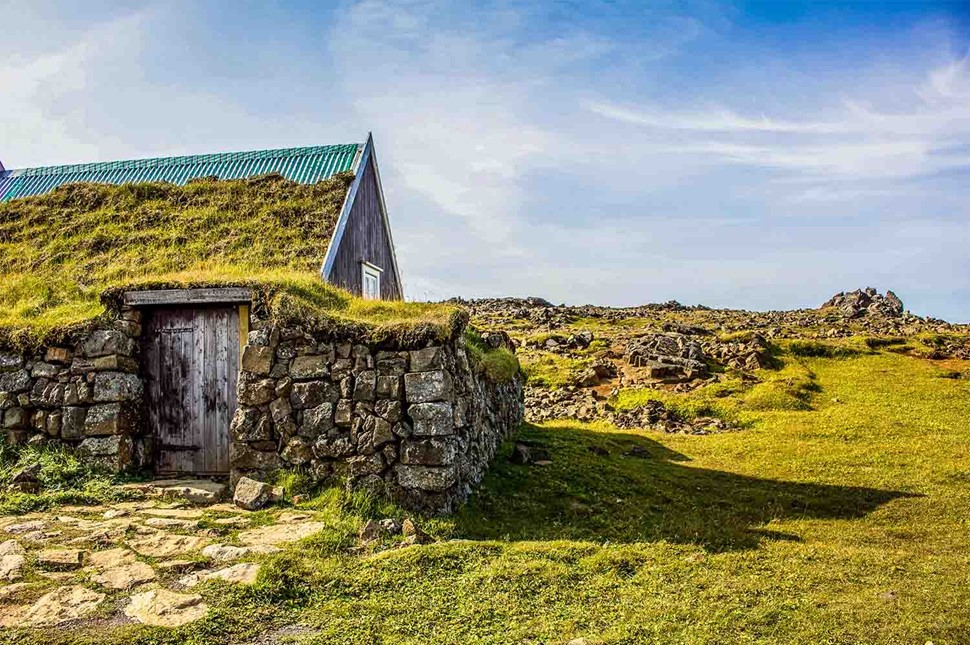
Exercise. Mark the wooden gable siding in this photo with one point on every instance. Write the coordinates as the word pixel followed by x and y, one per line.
pixel 365 240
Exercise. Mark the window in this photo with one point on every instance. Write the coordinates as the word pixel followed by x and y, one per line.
pixel 371 281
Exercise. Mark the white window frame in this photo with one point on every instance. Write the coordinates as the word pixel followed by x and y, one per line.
pixel 368 270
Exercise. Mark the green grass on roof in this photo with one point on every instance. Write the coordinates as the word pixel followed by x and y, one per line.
pixel 61 251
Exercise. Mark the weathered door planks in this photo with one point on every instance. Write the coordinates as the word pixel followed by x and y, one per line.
pixel 192 359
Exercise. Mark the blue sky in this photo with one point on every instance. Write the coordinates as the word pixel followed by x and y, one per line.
pixel 760 155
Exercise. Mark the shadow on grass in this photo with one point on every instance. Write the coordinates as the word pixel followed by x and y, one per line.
pixel 618 497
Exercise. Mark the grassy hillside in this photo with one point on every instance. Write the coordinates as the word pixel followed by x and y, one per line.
pixel 841 521
pixel 59 252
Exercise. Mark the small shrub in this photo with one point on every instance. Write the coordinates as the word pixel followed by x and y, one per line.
pixel 874 342
pixel 815 349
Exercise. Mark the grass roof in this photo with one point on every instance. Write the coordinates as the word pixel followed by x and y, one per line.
pixel 66 256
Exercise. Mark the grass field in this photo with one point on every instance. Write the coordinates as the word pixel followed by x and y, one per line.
pixel 844 521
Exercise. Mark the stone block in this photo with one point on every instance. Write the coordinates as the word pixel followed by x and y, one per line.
pixel 309 367
pixel 10 362
pixel 343 413
pixel 297 451
pixel 256 392
pixel 432 419
pixel 327 447
pixel 390 410
pixel 433 451
pixel 44 370
pixel 388 387
pixel 430 358
pixel 363 465
pixel 116 386
pixel 392 363
pixel 47 394
pixel 72 423
pixel 108 419
pixel 426 478
pixel 115 363
pixel 317 421
pixel 250 424
pixel 15 419
pixel 116 452
pixel 310 394
pixel 15 381
pixel 280 409
pixel 257 360
pixel 244 457
pixel 421 387
pixel 54 423
pixel 365 386
pixel 102 342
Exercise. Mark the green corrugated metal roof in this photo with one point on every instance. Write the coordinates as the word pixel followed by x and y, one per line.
pixel 304 165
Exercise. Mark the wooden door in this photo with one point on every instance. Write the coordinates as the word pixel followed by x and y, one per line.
pixel 191 364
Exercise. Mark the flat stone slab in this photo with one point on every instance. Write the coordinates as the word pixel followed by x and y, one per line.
pixel 280 533
pixel 126 576
pixel 197 491
pixel 171 523
pixel 11 547
pixel 164 608
pixel 164 545
pixel 175 513
pixel 12 567
pixel 58 606
pixel 60 559
pixel 222 552
pixel 26 527
pixel 243 573
pixel 110 558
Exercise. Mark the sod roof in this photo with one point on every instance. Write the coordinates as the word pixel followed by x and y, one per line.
pixel 67 254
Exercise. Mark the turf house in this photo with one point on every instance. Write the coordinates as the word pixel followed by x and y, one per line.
pixel 169 314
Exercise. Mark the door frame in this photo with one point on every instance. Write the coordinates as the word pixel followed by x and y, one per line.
pixel 158 299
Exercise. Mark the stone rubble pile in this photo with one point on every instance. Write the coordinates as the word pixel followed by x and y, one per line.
pixel 865 302
pixel 668 356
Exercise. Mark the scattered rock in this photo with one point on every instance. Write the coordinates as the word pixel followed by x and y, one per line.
pixel 525 455
pixel 251 494
pixel 412 534
pixel 163 608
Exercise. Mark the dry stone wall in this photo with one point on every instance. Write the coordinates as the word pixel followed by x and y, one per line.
pixel 418 425
pixel 87 394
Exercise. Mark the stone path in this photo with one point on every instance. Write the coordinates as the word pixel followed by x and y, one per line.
pixel 147 558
